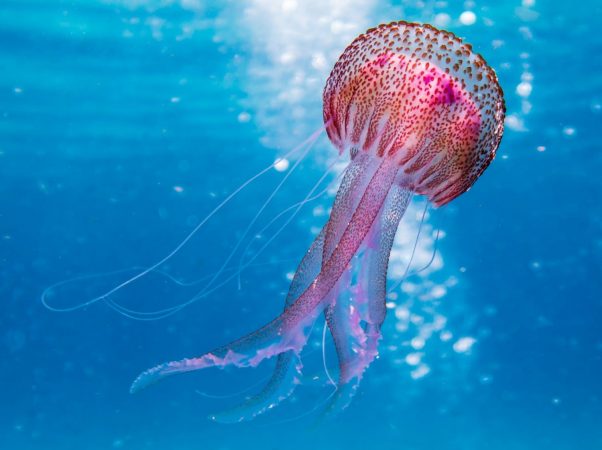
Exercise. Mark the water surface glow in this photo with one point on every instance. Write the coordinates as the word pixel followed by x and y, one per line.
pixel 123 121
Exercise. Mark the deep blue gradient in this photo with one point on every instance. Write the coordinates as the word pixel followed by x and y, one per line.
pixel 124 122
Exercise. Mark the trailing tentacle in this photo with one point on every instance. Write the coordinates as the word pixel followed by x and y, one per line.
pixel 289 331
pixel 356 320
pixel 287 371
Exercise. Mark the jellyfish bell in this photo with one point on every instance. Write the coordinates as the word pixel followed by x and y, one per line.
pixel 422 98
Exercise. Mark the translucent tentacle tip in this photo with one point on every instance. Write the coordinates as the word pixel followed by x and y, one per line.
pixel 147 378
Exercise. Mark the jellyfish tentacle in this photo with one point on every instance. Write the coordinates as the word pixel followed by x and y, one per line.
pixel 355 180
pixel 354 183
pixel 376 280
pixel 347 199
pixel 249 351
pixel 287 371
pixel 346 202
pixel 258 214
pixel 281 385
pixel 290 330
pixel 295 207
pixel 346 336
pixel 286 376
pixel 351 239
pixel 356 322
pixel 142 271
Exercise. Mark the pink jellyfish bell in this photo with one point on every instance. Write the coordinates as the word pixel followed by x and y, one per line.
pixel 420 113
pixel 419 98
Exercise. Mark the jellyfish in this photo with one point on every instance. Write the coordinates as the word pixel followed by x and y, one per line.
pixel 420 113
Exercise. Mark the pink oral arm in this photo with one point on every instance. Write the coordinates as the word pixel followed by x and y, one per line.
pixel 355 321
pixel 289 331
pixel 287 371
pixel 288 365
pixel 354 183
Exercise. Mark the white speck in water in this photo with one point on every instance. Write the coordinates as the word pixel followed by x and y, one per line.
pixel 244 117
pixel 288 57
pixel 281 164
pixel 438 291
pixel 526 76
pixel 468 18
pixel 18 90
pixel 485 379
pixel 524 89
pixel 464 344
pixel 402 313
pixel 319 211
pixel 420 371
pixel 416 319
pixel 401 326
pixel 569 131
pixel 515 123
pixel 318 61
pixel 446 336
pixel 289 6
pixel 175 99
pixel 439 322
pixel 178 189
pixel 417 343
pixel 442 20
pixel 413 359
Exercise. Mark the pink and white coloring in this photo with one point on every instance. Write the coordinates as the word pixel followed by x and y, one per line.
pixel 419 112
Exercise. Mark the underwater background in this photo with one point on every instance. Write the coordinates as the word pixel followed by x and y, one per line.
pixel 124 122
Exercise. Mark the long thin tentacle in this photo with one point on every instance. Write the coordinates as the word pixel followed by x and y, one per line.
pixel 161 314
pixel 153 267
pixel 257 215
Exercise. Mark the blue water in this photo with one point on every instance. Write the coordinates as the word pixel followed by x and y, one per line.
pixel 124 122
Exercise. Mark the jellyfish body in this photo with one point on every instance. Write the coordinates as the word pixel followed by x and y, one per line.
pixel 420 113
